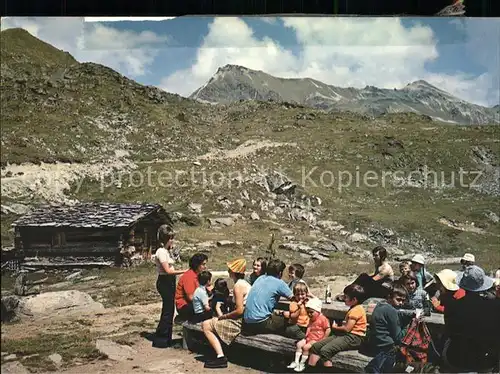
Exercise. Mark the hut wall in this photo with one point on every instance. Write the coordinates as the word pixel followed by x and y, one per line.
pixel 69 241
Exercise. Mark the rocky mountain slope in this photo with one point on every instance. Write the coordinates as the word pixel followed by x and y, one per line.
pixel 57 109
pixel 237 171
pixel 232 83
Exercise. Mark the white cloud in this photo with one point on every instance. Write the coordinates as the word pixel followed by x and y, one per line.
pixel 340 51
pixel 127 51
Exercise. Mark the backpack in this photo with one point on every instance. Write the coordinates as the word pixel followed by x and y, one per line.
pixel 415 344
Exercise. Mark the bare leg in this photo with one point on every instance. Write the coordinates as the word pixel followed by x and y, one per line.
pixel 298 353
pixel 212 338
pixel 328 364
pixel 300 345
pixel 306 348
pixel 313 359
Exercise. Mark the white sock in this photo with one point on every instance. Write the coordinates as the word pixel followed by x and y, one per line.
pixel 220 356
pixel 303 359
pixel 297 356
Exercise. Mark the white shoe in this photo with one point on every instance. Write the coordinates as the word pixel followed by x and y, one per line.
pixel 293 365
pixel 300 367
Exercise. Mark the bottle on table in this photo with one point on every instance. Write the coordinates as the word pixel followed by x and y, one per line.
pixel 328 295
pixel 427 305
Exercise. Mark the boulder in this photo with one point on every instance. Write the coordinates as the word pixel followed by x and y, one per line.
pixel 56 358
pixel 14 368
pixel 15 208
pixel 224 221
pixel 48 304
pixel 493 217
pixel 254 216
pixel 296 247
pixel 114 351
pixel 330 225
pixel 194 208
pixel 225 243
pixel 357 238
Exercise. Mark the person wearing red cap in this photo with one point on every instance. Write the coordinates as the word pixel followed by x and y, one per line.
pixel 228 326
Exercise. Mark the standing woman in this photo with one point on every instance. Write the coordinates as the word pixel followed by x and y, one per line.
pixel 166 288
pixel 228 326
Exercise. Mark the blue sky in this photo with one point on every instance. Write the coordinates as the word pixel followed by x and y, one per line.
pixel 459 55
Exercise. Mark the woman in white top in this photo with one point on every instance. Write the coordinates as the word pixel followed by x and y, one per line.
pixel 228 326
pixel 166 288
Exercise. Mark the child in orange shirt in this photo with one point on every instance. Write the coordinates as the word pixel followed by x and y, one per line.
pixel 352 332
pixel 297 314
pixel 318 329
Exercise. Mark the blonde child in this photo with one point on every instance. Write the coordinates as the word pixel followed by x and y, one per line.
pixel 297 313
pixel 318 329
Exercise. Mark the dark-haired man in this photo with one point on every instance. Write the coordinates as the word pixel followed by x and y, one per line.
pixel 262 299
pixel 188 283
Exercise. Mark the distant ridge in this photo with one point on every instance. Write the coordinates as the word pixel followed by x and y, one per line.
pixel 233 83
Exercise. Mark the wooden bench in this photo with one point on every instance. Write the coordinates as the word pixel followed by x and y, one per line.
pixel 348 361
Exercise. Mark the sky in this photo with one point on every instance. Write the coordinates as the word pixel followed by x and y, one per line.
pixel 459 55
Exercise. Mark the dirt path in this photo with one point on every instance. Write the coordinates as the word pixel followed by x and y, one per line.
pixel 126 326
pixel 152 360
pixel 245 149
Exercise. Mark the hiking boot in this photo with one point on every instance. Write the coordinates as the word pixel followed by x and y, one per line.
pixel 293 365
pixel 161 343
pixel 218 363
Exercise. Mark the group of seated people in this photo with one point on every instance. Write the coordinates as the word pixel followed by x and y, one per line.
pixel 469 299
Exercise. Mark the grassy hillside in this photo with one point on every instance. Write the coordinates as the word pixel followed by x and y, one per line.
pixel 56 109
pixel 330 144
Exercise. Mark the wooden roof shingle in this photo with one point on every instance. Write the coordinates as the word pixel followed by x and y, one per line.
pixel 91 215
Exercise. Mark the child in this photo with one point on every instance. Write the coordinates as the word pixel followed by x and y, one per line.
pixel 295 273
pixel 404 268
pixel 386 331
pixel 348 336
pixel 297 314
pixel 259 268
pixel 318 329
pixel 425 279
pixel 201 301
pixel 416 296
pixel 220 303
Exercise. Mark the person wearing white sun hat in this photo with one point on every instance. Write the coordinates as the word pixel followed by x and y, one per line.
pixel 425 279
pixel 472 325
pixel 468 259
pixel 447 288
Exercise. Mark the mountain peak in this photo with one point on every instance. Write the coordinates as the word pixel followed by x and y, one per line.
pixel 421 84
pixel 231 67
